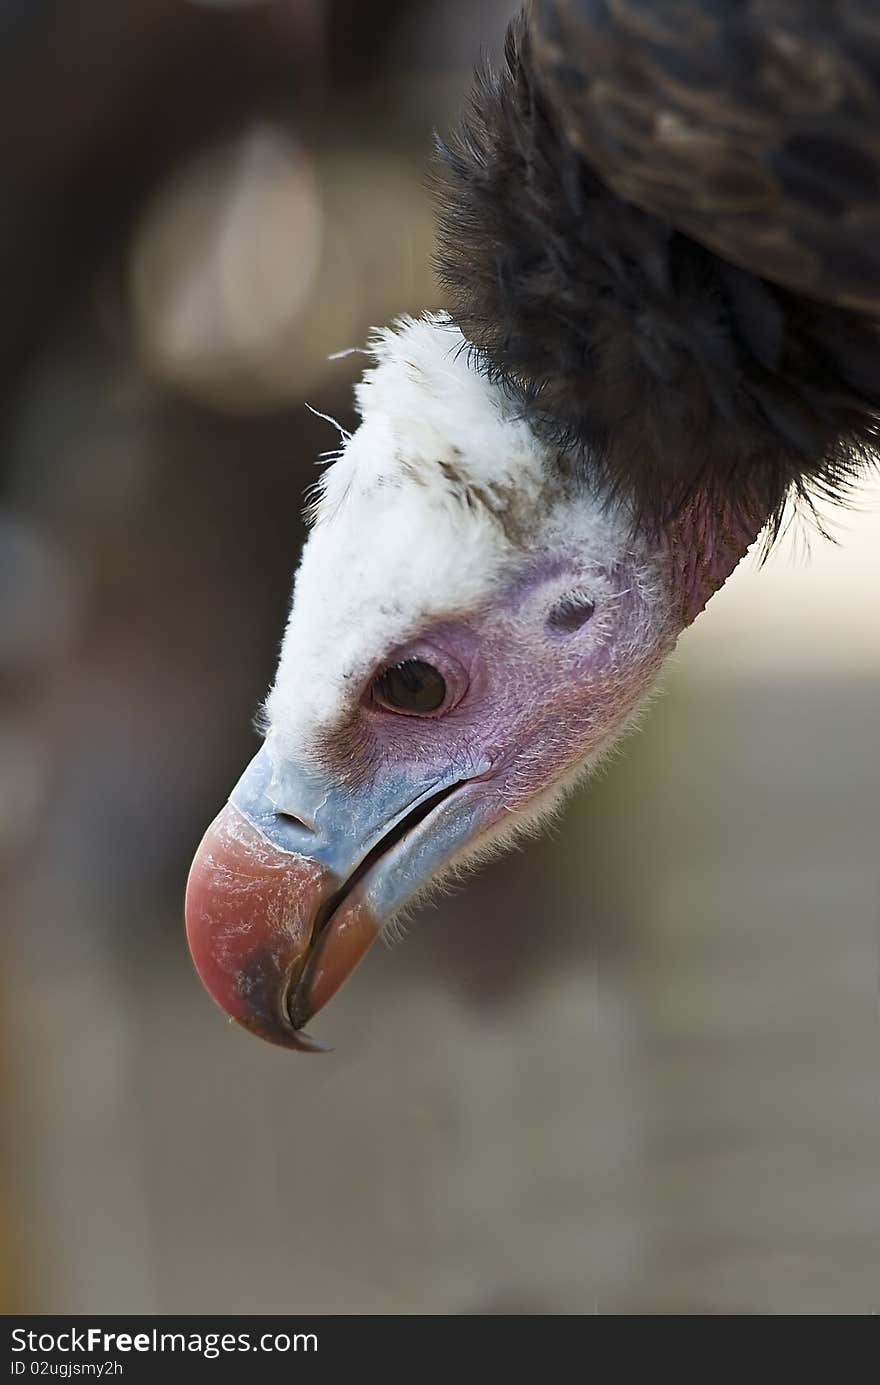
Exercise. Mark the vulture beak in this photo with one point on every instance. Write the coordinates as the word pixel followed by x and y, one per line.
pixel 296 878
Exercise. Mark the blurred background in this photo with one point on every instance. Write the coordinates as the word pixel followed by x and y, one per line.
pixel 635 1068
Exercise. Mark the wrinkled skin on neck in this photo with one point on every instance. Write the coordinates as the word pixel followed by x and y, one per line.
pixel 703 545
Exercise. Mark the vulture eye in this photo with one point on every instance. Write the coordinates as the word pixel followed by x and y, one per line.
pixel 412 686
pixel 571 612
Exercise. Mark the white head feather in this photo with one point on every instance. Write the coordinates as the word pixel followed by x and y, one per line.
pixel 431 507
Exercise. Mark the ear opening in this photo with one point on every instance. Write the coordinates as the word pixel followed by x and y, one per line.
pixel 571 612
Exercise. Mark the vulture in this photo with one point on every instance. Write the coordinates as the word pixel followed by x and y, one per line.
pixel 659 244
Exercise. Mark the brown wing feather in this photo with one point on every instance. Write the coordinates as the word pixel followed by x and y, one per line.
pixel 662 366
pixel 753 126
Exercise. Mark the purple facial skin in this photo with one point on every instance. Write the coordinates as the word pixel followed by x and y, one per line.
pixel 304 867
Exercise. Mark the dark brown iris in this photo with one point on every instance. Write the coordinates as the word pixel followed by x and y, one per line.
pixel 411 686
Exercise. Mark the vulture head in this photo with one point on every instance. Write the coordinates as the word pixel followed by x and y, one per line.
pixel 662 325
pixel 472 627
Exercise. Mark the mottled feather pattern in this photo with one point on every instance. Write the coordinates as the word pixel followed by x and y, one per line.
pixel 665 370
pixel 751 125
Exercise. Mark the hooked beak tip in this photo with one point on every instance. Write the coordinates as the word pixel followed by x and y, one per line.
pixel 294 880
pixel 286 1036
pixel 252 921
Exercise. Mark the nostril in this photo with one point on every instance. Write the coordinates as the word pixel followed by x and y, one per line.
pixel 296 819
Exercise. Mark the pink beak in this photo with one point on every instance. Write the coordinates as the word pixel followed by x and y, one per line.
pixel 254 924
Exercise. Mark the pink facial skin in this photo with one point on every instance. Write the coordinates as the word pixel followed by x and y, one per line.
pixel 532 700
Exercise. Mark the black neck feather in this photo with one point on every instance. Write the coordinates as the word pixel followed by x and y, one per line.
pixel 665 370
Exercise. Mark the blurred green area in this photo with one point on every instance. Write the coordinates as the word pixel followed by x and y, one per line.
pixel 632 1068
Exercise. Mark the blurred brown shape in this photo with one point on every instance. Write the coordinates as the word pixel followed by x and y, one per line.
pixel 257 262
